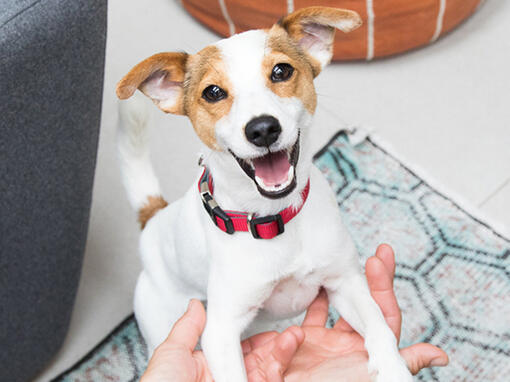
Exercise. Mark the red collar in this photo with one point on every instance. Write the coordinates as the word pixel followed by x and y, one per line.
pixel 265 227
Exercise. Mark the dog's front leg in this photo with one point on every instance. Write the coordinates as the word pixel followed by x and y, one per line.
pixel 222 349
pixel 351 297
pixel 230 309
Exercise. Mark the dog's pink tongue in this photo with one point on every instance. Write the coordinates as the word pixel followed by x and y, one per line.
pixel 272 168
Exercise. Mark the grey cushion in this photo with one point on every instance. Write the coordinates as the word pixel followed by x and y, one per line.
pixel 9 9
pixel 51 76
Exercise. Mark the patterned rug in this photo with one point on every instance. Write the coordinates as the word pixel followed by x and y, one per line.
pixel 452 279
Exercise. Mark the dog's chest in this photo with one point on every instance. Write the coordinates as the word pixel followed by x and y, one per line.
pixel 291 296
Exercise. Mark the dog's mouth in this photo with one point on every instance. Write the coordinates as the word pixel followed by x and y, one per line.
pixel 274 173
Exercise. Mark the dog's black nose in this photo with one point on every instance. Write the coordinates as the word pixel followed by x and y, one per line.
pixel 263 130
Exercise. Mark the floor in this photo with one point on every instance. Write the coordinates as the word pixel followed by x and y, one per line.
pixel 445 108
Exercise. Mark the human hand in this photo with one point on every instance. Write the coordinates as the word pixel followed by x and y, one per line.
pixel 266 355
pixel 338 354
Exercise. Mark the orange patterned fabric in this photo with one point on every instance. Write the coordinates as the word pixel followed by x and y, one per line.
pixel 389 26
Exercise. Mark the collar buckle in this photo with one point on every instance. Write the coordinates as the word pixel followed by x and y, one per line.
pixel 254 222
pixel 214 210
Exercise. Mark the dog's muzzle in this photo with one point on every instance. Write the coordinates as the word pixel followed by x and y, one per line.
pixel 274 173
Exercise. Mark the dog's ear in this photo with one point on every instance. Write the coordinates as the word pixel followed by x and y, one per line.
pixel 313 28
pixel 160 77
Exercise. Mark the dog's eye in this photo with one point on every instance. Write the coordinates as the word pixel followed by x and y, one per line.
pixel 213 93
pixel 281 72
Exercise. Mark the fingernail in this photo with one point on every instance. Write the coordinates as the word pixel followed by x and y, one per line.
pixel 190 304
pixel 439 361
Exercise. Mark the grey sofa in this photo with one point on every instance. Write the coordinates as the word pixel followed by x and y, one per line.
pixel 51 77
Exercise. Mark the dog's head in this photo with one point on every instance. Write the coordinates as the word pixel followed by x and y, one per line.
pixel 249 96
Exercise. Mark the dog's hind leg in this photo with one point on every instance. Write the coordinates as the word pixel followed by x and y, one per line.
pixel 156 313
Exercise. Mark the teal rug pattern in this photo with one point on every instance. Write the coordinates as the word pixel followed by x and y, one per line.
pixel 452 279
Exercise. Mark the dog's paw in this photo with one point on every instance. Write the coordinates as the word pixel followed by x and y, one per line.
pixel 390 370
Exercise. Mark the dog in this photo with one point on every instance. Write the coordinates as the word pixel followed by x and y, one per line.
pixel 259 232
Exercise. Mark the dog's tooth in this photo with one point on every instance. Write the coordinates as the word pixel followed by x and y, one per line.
pixel 260 182
pixel 290 173
pixel 290 177
pixel 287 183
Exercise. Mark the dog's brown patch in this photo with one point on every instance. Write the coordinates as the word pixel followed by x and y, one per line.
pixel 190 75
pixel 204 69
pixel 346 20
pixel 280 40
pixel 327 18
pixel 300 85
pixel 149 209
pixel 171 66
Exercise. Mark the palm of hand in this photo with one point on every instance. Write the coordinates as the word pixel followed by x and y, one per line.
pixel 266 355
pixel 325 350
pixel 338 354
pixel 322 344
pixel 309 353
pixel 340 348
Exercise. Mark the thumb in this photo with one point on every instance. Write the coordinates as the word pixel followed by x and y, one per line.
pixel 189 327
pixel 422 355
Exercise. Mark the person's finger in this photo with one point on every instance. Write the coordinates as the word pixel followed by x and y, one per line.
pixel 189 327
pixel 256 341
pixel 423 355
pixel 286 345
pixel 381 287
pixel 270 361
pixel 343 326
pixel 317 313
pixel 386 254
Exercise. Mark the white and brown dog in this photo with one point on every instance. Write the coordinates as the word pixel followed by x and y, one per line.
pixel 269 235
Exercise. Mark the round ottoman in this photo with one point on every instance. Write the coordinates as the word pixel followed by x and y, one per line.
pixel 389 26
